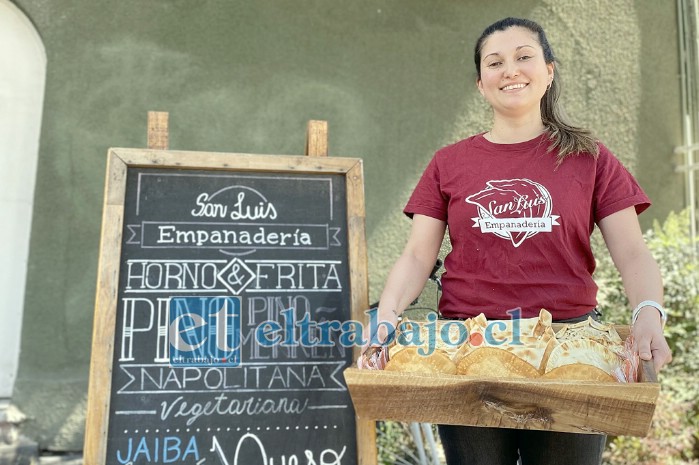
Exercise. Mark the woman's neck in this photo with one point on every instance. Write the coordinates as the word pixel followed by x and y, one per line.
pixel 514 131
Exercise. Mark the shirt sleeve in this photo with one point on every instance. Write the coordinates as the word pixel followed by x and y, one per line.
pixel 615 188
pixel 427 198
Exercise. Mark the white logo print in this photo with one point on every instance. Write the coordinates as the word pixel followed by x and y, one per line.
pixel 514 209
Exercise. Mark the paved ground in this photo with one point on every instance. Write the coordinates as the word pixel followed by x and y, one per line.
pixel 61 460
pixel 25 452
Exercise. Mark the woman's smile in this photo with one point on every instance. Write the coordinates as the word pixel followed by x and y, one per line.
pixel 514 87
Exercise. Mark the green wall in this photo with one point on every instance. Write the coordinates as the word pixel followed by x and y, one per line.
pixel 394 79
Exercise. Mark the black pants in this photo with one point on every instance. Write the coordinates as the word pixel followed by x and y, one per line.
pixel 472 445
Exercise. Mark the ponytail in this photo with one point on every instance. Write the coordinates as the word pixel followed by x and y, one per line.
pixel 566 139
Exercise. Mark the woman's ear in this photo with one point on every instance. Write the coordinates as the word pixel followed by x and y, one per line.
pixel 551 67
pixel 479 84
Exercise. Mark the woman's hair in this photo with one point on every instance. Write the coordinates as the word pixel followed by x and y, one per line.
pixel 566 138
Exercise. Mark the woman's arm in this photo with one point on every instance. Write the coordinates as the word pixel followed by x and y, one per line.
pixel 642 281
pixel 409 274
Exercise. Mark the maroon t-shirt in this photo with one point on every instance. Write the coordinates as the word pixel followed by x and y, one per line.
pixel 519 225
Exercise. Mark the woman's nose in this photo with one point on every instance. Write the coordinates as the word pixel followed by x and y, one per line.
pixel 511 69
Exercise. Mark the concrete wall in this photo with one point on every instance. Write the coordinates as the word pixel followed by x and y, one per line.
pixel 394 78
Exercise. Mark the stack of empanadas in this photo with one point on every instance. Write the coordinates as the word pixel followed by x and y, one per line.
pixel 523 348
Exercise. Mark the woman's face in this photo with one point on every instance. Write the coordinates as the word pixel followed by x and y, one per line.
pixel 514 74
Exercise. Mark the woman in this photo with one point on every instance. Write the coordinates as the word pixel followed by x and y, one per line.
pixel 521 202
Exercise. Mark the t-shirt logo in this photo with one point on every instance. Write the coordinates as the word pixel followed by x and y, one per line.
pixel 514 209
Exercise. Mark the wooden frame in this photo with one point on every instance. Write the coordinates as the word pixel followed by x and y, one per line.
pixel 119 161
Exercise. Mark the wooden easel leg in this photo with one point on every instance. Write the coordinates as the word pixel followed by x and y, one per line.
pixel 317 138
pixel 158 131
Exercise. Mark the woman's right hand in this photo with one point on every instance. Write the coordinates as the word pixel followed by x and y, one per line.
pixel 378 330
pixel 406 279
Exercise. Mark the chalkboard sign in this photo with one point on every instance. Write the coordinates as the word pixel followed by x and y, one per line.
pixel 278 243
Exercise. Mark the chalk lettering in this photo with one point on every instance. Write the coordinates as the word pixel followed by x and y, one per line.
pixel 255 447
pixel 222 405
pixel 246 211
pixel 209 210
pixel 167 449
pixel 292 376
pixel 198 235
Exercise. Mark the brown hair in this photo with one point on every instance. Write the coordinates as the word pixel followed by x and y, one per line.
pixel 566 138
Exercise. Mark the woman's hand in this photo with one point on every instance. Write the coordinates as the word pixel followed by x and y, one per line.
pixel 381 324
pixel 375 334
pixel 641 277
pixel 649 340
pixel 405 280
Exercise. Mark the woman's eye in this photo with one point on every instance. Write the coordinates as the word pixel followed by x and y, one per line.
pixel 524 57
pixel 494 64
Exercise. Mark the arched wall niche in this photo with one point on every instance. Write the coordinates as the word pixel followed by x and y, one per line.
pixel 22 81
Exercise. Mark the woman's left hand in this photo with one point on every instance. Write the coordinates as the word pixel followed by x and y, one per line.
pixel 649 340
pixel 642 281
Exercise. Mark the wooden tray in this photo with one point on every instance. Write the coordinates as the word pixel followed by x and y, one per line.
pixel 555 405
